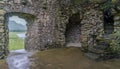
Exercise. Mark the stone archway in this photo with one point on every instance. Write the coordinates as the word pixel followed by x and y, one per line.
pixel 73 31
pixel 28 17
pixel 45 22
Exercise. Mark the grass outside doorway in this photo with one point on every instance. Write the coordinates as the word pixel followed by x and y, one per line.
pixel 15 42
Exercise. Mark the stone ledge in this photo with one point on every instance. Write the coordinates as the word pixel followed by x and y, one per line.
pixel 73 45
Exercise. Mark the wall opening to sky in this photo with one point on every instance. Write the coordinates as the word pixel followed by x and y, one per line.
pixel 17 32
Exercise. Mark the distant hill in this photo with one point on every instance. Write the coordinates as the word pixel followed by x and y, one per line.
pixel 14 27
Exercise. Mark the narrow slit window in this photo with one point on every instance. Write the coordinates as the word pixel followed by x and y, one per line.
pixel 108 21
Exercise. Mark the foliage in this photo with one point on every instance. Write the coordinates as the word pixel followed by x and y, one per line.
pixel 107 5
pixel 114 1
pixel 115 44
pixel 79 1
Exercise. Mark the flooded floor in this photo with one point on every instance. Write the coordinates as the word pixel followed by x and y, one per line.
pixel 18 59
pixel 59 58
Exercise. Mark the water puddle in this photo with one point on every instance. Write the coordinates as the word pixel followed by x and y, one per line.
pixel 18 59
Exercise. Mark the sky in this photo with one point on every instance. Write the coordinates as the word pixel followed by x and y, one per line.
pixel 18 20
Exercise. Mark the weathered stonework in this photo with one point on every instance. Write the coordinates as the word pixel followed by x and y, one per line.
pixel 50 20
pixel 50 24
pixel 40 32
pixel 3 33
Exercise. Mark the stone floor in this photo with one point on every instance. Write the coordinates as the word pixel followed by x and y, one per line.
pixel 73 45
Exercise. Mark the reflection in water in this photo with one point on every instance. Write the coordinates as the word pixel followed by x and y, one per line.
pixel 18 60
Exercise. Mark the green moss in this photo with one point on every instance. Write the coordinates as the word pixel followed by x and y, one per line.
pixel 99 39
pixel 114 1
pixel 79 1
pixel 95 1
pixel 107 5
pixel 115 44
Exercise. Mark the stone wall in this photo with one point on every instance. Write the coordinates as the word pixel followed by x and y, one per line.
pixel 34 40
pixel 91 21
pixel 48 28
pixel 116 21
pixel 41 32
pixel 3 33
pixel 92 27
pixel 52 16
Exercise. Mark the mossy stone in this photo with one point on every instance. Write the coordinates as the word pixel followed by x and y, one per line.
pixel 79 1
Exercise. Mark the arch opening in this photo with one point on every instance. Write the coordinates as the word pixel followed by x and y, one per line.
pixel 17 24
pixel 17 32
pixel 73 31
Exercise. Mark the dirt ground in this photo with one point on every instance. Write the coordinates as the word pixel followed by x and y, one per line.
pixel 3 64
pixel 69 58
pixel 66 58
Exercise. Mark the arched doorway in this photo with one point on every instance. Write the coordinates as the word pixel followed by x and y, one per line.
pixel 17 32
pixel 73 31
pixel 17 26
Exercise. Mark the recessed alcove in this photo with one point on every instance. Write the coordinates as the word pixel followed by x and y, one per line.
pixel 73 31
pixel 108 21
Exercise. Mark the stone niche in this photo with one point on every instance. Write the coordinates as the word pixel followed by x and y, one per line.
pixel 73 31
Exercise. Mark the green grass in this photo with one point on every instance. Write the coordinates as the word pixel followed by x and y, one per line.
pixel 15 42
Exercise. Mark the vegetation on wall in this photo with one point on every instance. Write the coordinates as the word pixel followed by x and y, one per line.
pixel 79 1
pixel 115 44
pixel 107 5
pixel 103 4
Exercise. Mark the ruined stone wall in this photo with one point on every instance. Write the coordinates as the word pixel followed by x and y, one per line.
pixel 41 32
pixel 117 22
pixel 51 17
pixel 92 27
pixel 3 33
pixel 91 20
pixel 13 6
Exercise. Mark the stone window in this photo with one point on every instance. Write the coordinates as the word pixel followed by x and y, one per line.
pixel 108 21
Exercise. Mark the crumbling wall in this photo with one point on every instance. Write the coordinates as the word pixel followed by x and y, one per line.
pixel 91 20
pixel 41 32
pixel 51 17
pixel 3 33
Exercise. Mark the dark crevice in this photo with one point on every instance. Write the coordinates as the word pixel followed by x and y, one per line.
pixel 108 21
pixel 73 29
